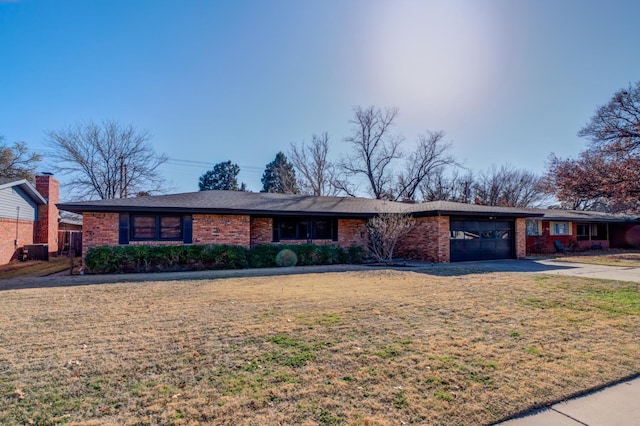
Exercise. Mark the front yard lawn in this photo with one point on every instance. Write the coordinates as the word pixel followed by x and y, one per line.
pixel 361 348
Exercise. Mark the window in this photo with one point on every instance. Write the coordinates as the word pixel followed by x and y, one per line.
pixel 143 227
pixel 322 229
pixel 592 231
pixel 560 228
pixel 305 228
pixel 534 227
pixel 170 228
pixel 583 231
pixel 154 227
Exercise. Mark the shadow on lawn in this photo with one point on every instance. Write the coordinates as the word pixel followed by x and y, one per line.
pixel 483 267
pixel 448 269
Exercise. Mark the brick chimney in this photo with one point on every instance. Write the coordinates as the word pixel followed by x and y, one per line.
pixel 46 231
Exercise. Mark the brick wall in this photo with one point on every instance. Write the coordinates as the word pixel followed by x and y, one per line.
pixel 46 228
pixel 99 229
pixel 352 232
pixel 222 229
pixel 521 238
pixel 428 241
pixel 261 230
pixel 25 230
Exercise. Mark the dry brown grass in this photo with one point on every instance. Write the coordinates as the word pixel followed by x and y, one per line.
pixel 361 348
pixel 626 258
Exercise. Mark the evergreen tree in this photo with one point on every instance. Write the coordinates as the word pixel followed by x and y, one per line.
pixel 223 176
pixel 279 176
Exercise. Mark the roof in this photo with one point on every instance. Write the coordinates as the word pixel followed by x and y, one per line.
pixel 260 203
pixel 586 216
pixel 26 186
pixel 71 220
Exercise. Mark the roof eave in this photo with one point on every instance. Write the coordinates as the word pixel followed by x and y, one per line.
pixel 27 187
pixel 203 210
pixel 487 214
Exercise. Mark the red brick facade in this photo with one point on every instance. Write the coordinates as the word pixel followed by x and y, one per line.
pixel 521 238
pixel 261 230
pixel 46 231
pixel 221 229
pixel 352 232
pixel 9 241
pixel 428 241
pixel 544 243
pixel 99 229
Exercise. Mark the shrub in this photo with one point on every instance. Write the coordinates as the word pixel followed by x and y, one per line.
pixel 144 258
pixel 286 257
pixel 356 254
pixel 263 256
pixel 103 259
pixel 225 257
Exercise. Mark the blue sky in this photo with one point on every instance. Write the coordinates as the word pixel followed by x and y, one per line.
pixel 509 81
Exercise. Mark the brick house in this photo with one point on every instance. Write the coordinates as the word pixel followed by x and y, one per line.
pixel 28 215
pixel 444 231
pixel 581 230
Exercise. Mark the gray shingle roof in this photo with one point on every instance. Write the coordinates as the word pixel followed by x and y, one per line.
pixel 585 216
pixel 234 202
pixel 8 180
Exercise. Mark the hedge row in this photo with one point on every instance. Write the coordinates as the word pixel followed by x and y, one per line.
pixel 141 258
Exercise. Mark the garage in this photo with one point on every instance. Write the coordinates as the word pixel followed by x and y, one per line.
pixel 481 239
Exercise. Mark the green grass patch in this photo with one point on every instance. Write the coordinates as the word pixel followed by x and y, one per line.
pixel 623 300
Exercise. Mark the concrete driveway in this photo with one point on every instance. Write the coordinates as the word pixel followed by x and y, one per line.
pixel 554 267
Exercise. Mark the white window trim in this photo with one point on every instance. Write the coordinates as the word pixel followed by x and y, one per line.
pixel 552 227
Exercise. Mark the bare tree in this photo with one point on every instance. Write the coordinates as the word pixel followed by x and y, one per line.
pixel 385 231
pixel 439 186
pixel 17 162
pixel 615 127
pixel 429 157
pixel 316 174
pixel 508 187
pixel 106 161
pixel 375 148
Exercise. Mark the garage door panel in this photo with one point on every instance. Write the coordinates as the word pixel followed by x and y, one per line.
pixel 481 240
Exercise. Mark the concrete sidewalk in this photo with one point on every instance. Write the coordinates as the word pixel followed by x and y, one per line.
pixel 617 405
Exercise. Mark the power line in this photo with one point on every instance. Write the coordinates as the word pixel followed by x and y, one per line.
pixel 196 163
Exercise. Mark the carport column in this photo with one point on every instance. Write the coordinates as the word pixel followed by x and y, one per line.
pixel 521 238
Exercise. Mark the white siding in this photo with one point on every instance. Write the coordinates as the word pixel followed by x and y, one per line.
pixel 13 197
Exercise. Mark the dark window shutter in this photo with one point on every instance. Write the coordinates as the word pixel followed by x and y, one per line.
pixel 187 229
pixel 123 233
pixel 276 230
pixel 334 229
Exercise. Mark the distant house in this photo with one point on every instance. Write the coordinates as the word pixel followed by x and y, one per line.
pixel 582 230
pixel 70 234
pixel 28 215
